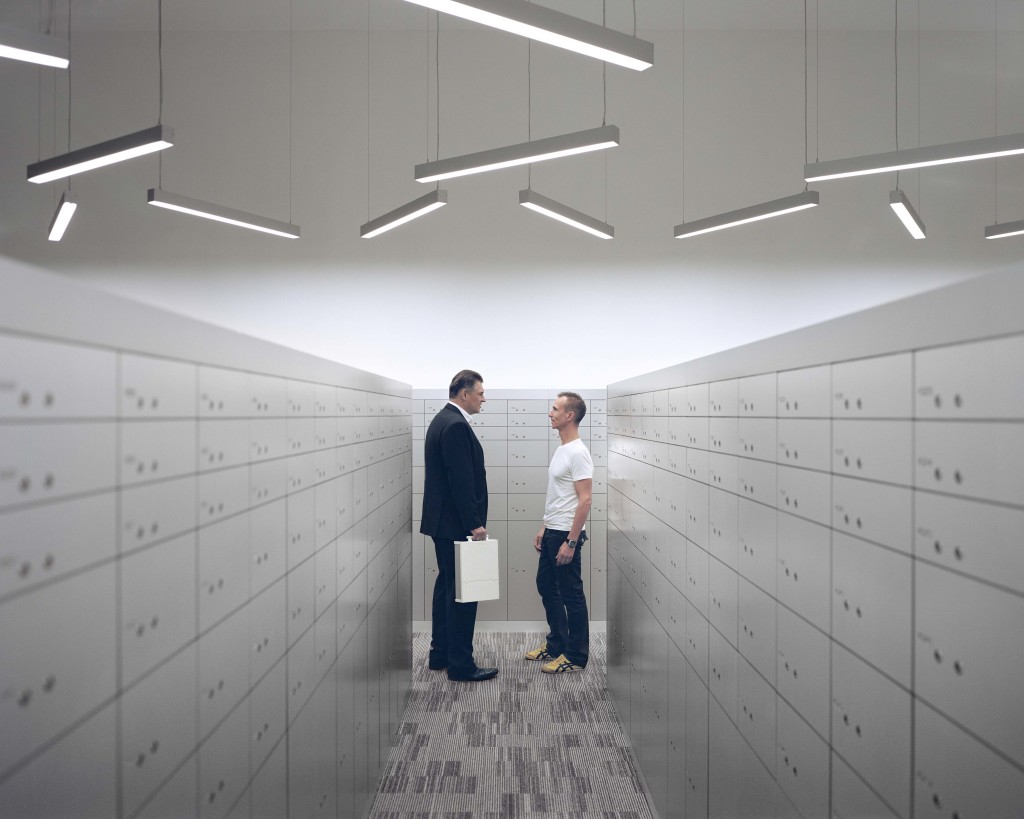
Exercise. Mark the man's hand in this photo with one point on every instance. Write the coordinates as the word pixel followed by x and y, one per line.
pixel 480 533
pixel 537 539
pixel 565 555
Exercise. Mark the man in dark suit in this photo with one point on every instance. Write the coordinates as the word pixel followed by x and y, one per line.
pixel 454 508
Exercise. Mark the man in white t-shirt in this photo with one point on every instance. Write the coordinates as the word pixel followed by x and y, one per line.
pixel 560 543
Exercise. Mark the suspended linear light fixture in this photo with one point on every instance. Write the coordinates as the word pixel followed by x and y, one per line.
pixel 563 213
pixel 219 213
pixel 1001 231
pixel 552 27
pixel 949 153
pixel 62 216
pixel 209 210
pixel 898 200
pixel 30 47
pixel 104 153
pixel 545 206
pixel 406 213
pixel 537 150
pixel 68 203
pixel 901 206
pixel 766 210
pixel 420 206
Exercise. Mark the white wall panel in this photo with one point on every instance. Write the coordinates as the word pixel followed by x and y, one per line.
pixel 158 606
pixel 44 543
pixel 954 773
pixel 870 613
pixel 871 728
pixel 965 655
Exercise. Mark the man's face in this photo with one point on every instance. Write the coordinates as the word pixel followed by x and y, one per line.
pixel 559 415
pixel 474 398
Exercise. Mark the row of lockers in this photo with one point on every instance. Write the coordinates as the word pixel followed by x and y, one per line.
pixel 518 480
pixel 762 756
pixel 243 507
pixel 965 535
pixel 184 593
pixel 837 581
pixel 830 583
pixel 205 581
pixel 502 452
pixel 495 429
pixel 47 379
pixel 710 750
pixel 41 462
pixel 516 409
pixel 979 459
pixel 519 599
pixel 528 506
pixel 308 737
pixel 974 380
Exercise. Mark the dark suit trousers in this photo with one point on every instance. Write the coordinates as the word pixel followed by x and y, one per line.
pixel 451 638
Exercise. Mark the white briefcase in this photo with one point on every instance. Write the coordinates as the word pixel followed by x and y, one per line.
pixel 476 570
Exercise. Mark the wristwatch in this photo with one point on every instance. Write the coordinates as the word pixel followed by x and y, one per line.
pixel 572 543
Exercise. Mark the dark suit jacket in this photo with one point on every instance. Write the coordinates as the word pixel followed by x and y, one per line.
pixel 455 485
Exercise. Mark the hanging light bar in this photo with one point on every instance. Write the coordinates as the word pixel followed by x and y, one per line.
pixel 62 216
pixel 563 213
pixel 908 216
pixel 105 153
pixel 596 139
pixel 31 47
pixel 219 213
pixel 552 27
pixel 1001 231
pixel 406 213
pixel 766 210
pixel 947 154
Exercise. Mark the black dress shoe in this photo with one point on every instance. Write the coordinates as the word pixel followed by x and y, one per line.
pixel 479 675
pixel 437 665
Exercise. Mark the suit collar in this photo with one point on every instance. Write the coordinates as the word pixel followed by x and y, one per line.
pixel 460 410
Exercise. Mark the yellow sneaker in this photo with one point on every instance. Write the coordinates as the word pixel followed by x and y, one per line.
pixel 539 653
pixel 561 665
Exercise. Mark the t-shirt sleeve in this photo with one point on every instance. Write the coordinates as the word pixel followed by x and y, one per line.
pixel 581 465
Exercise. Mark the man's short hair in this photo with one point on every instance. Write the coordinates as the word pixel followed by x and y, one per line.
pixel 463 380
pixel 574 404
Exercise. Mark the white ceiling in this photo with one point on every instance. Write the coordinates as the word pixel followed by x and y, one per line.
pixel 651 15
pixel 325 127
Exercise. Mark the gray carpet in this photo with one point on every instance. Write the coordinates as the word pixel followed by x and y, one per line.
pixel 522 744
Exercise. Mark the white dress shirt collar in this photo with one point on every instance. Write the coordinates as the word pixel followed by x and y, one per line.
pixel 465 414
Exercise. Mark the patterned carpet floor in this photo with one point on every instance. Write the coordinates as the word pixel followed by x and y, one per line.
pixel 523 744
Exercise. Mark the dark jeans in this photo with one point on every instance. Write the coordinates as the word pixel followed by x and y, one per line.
pixel 561 589
pixel 451 633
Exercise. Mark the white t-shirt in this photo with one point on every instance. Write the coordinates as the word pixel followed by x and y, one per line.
pixel 570 463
